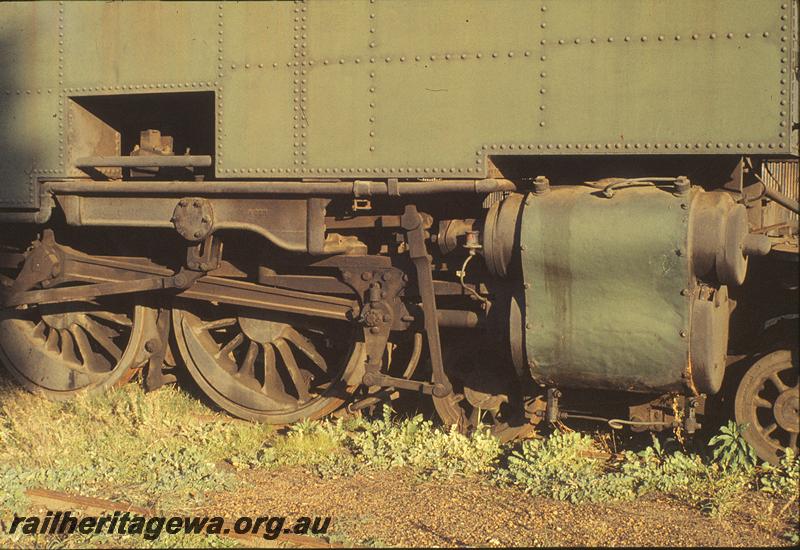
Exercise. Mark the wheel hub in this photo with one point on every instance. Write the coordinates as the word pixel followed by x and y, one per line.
pixel 787 410
pixel 259 330
pixel 62 321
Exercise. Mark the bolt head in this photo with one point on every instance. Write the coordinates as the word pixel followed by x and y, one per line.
pixel 366 276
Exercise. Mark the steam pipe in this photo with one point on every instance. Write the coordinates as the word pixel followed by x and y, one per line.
pixel 783 200
pixel 352 188
pixel 144 161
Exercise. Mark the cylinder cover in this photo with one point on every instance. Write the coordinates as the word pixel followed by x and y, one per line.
pixel 627 293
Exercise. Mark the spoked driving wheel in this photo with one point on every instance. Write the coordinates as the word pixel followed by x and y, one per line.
pixel 484 392
pixel 768 402
pixel 267 367
pixel 60 350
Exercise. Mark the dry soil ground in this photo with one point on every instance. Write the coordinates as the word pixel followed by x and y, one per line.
pixel 397 509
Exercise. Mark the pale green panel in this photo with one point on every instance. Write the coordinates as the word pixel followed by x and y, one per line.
pixel 112 43
pixel 255 122
pixel 601 19
pixel 455 26
pixel 439 114
pixel 258 33
pixel 338 112
pixel 28 45
pixel 664 93
pixel 337 29
pixel 29 145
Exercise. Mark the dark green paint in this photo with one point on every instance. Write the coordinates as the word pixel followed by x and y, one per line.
pixel 604 308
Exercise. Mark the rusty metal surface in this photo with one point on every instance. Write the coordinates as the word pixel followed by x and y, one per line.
pixel 782 176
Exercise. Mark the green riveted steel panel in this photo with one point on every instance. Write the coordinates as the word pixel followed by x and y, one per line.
pixel 410 88
pixel 454 26
pixel 603 305
pixel 29 95
pixel 684 74
pixel 116 43
pixel 259 69
pixel 339 132
pixel 466 104
pixel 339 30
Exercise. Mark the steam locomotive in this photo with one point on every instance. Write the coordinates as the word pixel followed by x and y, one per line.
pixel 528 211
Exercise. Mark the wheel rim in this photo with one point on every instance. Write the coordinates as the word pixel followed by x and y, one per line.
pixel 488 396
pixel 767 402
pixel 265 368
pixel 64 349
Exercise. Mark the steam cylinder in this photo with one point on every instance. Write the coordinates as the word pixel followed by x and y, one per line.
pixel 621 293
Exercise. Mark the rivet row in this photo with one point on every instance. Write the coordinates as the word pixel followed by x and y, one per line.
pixel 408 171
pixel 372 95
pixel 595 146
pixel 639 39
pixel 219 149
pixel 150 86
pixel 300 86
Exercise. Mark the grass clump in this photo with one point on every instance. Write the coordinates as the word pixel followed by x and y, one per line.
pixel 564 467
pixel 336 448
pixel 385 443
pixel 571 466
pixel 150 449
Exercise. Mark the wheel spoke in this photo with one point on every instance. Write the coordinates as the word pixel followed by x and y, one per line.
pixel 218 324
pixel 68 347
pixel 291 366
pixel 52 341
pixel 116 318
pixel 304 344
pixel 793 440
pixel 272 380
pixel 762 403
pixel 102 336
pixel 39 329
pixel 474 416
pixel 778 382
pixel 97 329
pixel 228 348
pixel 84 347
pixel 769 429
pixel 248 365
